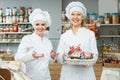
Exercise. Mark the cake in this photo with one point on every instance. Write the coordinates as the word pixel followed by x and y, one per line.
pixel 76 56
pixel 76 52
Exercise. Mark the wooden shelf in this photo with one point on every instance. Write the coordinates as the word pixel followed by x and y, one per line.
pixel 111 65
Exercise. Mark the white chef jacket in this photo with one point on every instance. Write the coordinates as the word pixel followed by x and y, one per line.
pixel 87 41
pixel 37 69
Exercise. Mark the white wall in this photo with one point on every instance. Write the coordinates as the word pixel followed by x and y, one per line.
pixel 107 6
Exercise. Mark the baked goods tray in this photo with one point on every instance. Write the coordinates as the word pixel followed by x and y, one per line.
pixel 85 62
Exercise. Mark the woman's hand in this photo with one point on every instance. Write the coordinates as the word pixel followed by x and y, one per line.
pixel 53 54
pixel 35 55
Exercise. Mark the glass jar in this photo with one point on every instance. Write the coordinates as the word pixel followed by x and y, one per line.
pixel 8 19
pixel 7 11
pixel 21 18
pixel 15 27
pixel 26 18
pixel 4 19
pixel 18 18
pixel 100 19
pixel 107 18
pixel 87 19
pixel 29 10
pixel 115 18
pixel 22 10
pixel 14 19
pixel 92 17
pixel 14 11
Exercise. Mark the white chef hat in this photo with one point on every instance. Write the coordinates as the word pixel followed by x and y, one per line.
pixel 38 14
pixel 75 6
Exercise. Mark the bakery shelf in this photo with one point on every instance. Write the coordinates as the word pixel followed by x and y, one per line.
pixel 109 36
pixel 10 42
pixel 15 32
pixel 18 23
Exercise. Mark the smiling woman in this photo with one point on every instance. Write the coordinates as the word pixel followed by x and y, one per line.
pixel 36 50
pixel 77 35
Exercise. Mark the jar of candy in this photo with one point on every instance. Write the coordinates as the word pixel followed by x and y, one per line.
pixel 115 18
pixel 14 11
pixel 107 18
pixel 100 19
pixel 92 17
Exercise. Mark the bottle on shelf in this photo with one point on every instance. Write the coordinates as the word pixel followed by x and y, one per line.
pixel 15 27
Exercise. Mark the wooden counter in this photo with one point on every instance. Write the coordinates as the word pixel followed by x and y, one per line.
pixel 55 70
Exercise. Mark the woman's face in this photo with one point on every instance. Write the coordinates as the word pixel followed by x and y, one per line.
pixel 39 27
pixel 76 18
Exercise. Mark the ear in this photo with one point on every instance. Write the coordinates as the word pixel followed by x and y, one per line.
pixel 83 17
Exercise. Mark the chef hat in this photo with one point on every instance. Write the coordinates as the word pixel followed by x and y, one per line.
pixel 75 6
pixel 38 14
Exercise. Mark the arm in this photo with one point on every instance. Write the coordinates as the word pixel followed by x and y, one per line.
pixel 93 46
pixel 52 54
pixel 60 51
pixel 24 53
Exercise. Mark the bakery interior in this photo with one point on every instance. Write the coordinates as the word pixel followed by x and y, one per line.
pixel 102 18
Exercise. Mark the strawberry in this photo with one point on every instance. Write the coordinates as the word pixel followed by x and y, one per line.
pixel 78 48
pixel 71 50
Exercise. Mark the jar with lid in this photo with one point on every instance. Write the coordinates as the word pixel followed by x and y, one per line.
pixel 14 11
pixel 92 17
pixel 22 10
pixel 7 11
pixel 18 18
pixel 29 10
pixel 107 18
pixel 87 19
pixel 26 18
pixel 11 29
pixel 15 27
pixel 4 19
pixel 21 18
pixel 14 18
pixel 115 18
pixel 100 19
pixel 8 19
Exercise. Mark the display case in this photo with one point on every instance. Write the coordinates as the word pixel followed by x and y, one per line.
pixel 109 44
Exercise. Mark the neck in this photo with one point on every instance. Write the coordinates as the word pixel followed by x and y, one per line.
pixel 40 35
pixel 75 29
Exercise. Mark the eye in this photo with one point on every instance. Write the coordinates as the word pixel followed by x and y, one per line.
pixel 42 24
pixel 72 14
pixel 79 14
pixel 37 24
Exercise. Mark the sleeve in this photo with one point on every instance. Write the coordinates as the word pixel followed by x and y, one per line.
pixel 24 54
pixel 51 59
pixel 93 46
pixel 60 50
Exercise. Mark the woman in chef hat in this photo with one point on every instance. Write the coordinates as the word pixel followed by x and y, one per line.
pixel 77 35
pixel 35 50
